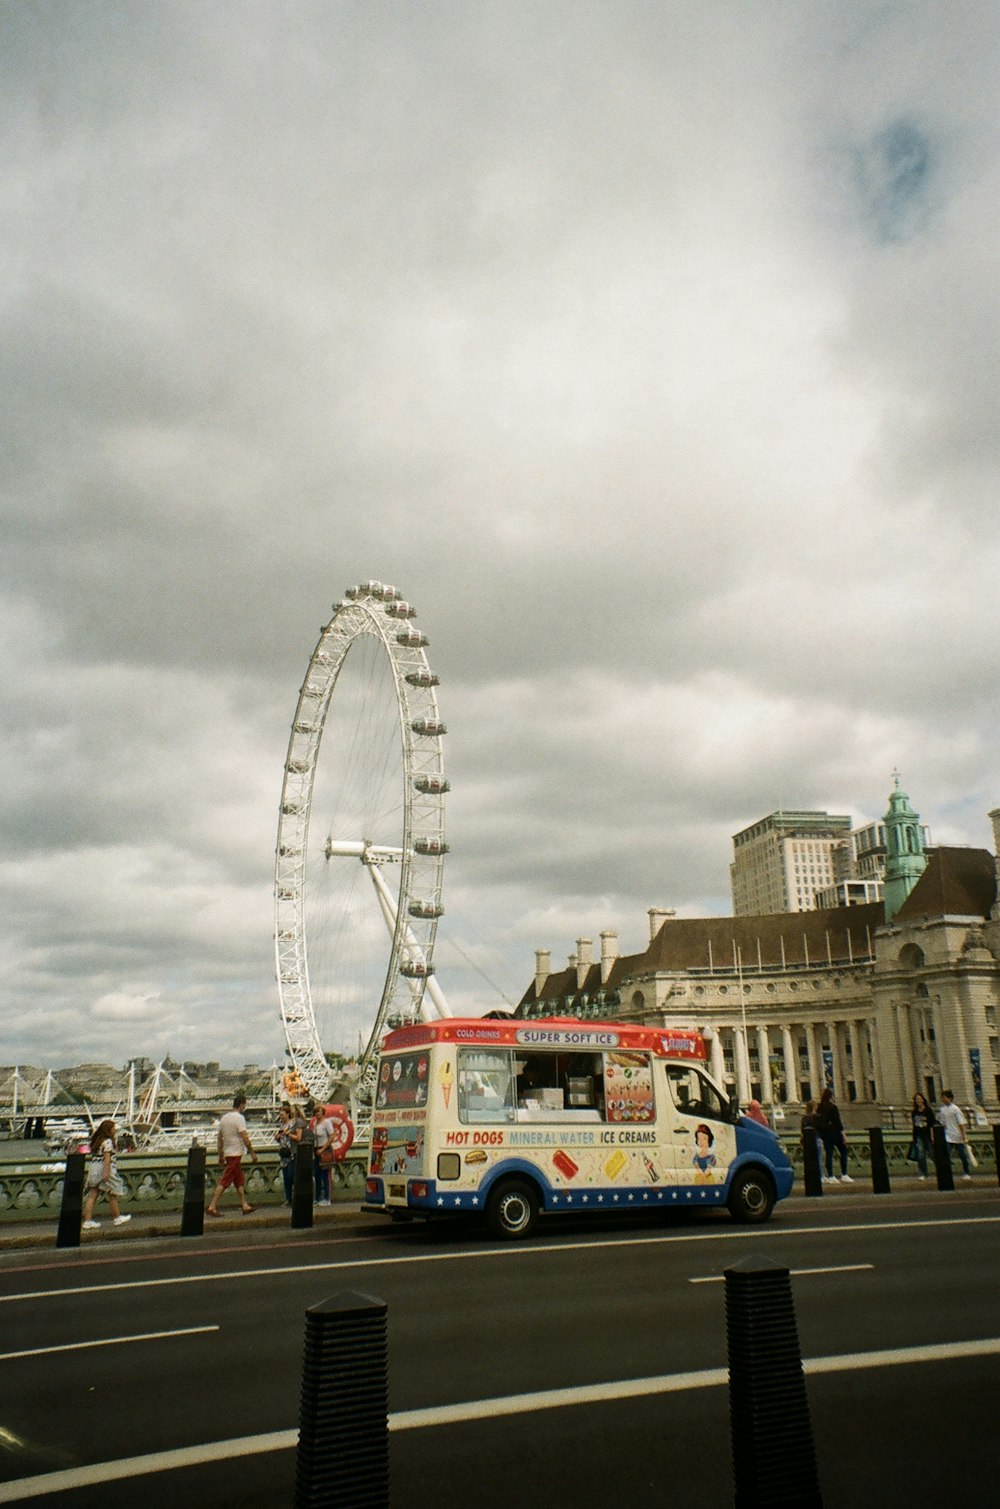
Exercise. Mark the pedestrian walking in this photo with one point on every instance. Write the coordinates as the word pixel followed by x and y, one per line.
pixel 103 1178
pixel 232 1141
pixel 950 1116
pixel 921 1121
pixel 831 1133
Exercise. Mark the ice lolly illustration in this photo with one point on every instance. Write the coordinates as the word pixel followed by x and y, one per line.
pixel 651 1169
pixel 565 1164
pixel 446 1079
pixel 615 1164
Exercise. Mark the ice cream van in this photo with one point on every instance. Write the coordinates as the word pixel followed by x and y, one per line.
pixel 509 1119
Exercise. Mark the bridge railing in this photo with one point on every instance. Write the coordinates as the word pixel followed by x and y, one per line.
pixel 32 1191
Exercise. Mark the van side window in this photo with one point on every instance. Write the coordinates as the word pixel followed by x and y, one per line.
pixel 694 1095
pixel 484 1085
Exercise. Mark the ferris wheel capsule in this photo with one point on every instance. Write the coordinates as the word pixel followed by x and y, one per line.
pixel 432 785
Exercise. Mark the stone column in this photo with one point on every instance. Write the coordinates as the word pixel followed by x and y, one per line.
pixel 907 1058
pixel 764 1054
pixel 839 1062
pixel 857 1061
pixel 815 1061
pixel 791 1057
pixel 716 1061
pixel 742 1063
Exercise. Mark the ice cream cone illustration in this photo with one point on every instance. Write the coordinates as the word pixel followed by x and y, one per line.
pixel 446 1078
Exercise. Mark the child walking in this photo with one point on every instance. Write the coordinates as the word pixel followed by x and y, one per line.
pixel 103 1178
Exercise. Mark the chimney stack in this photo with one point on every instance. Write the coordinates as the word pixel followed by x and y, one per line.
pixel 609 953
pixel 543 968
pixel 995 820
pixel 584 959
pixel 657 917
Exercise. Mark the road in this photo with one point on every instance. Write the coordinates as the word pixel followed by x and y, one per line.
pixel 120 1352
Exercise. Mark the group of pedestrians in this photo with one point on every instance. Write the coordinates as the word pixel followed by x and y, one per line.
pixel 825 1119
pixel 316 1130
pixel 294 1129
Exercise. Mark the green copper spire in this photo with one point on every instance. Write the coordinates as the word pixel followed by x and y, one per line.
pixel 905 859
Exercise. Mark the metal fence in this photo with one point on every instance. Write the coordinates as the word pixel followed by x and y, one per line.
pixel 32 1191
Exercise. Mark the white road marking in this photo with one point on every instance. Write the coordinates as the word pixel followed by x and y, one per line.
pixel 21 1489
pixel 105 1341
pixel 720 1278
pixel 518 1250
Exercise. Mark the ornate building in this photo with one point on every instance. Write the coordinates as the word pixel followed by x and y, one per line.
pixel 792 1001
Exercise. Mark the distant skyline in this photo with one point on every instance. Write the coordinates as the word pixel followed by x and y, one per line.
pixel 649 349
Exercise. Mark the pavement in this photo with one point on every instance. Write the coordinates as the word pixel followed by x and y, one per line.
pixel 150 1224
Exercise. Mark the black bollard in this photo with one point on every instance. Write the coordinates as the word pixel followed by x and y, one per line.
pixel 343 1452
pixel 193 1213
pixel 71 1209
pixel 880 1165
pixel 302 1187
pixel 942 1159
pixel 774 1459
pixel 812 1171
pixel 996 1150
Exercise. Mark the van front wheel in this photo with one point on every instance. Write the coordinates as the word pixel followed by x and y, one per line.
pixel 751 1198
pixel 512 1209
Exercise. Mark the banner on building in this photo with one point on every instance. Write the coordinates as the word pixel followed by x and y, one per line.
pixel 977 1075
pixel 828 1068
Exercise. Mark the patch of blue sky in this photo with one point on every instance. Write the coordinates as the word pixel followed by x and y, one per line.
pixel 893 173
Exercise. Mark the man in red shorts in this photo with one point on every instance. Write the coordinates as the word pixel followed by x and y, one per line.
pixel 233 1139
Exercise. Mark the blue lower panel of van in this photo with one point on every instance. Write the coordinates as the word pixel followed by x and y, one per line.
pixel 440 1198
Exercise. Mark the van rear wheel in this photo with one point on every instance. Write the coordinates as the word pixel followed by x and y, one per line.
pixel 751 1198
pixel 512 1209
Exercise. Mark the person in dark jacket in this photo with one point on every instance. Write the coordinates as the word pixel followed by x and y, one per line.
pixel 922 1119
pixel 830 1129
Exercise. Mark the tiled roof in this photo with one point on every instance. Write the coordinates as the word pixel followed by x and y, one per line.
pixel 956 883
pixel 835 935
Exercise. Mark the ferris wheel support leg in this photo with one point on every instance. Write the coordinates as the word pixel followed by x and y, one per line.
pixel 389 912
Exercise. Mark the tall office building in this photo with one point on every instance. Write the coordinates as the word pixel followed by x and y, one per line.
pixel 780 862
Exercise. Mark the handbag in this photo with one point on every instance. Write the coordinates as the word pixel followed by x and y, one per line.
pixel 912 1156
pixel 327 1156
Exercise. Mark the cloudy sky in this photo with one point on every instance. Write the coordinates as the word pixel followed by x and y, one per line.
pixel 650 348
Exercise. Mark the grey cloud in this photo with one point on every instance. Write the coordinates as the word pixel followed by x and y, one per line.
pixel 649 350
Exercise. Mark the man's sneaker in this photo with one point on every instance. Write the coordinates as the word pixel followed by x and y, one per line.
pixel 120 1220
pixel 966 1176
pixel 846 1179
pixel 91 1225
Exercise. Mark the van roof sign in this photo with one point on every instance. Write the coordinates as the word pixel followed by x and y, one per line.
pixel 551 1032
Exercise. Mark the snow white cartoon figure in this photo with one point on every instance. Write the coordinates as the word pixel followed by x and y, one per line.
pixel 704 1159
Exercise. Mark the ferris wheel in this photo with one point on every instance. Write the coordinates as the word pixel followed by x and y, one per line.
pixel 360 844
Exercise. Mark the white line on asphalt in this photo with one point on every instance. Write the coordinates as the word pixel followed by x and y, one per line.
pixel 105 1341
pixel 519 1250
pixel 718 1278
pixel 71 1478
